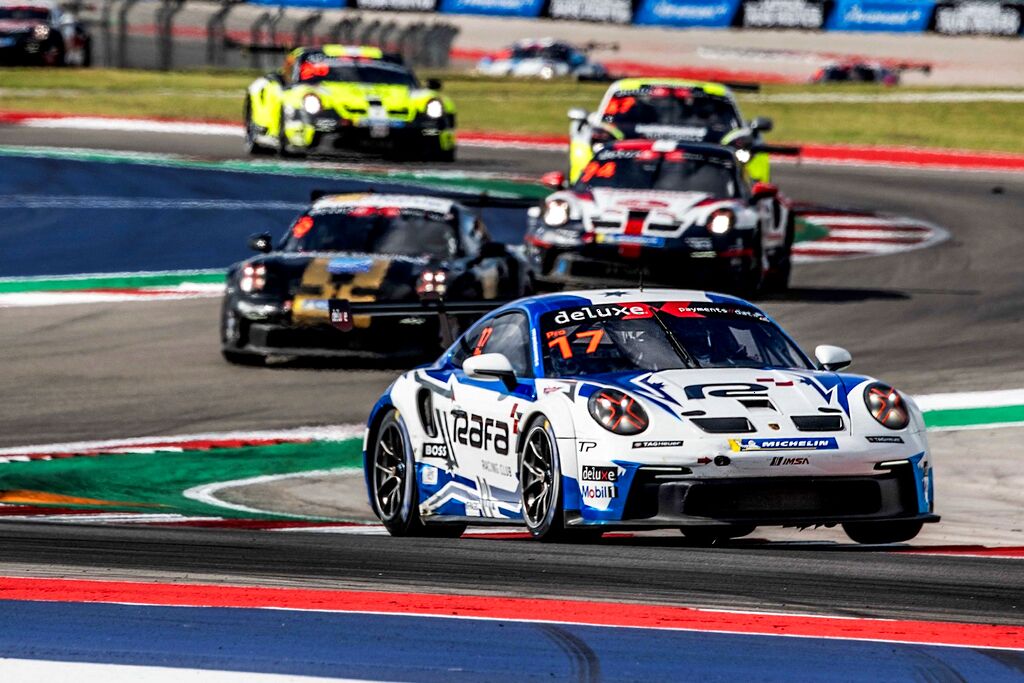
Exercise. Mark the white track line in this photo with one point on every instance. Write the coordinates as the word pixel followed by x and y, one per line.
pixel 207 493
pixel 41 671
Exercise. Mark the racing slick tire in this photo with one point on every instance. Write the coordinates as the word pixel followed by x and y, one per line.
pixel 394 494
pixel 540 485
pixel 251 146
pixel 714 535
pixel 283 150
pixel 877 533
pixel 777 278
pixel 232 336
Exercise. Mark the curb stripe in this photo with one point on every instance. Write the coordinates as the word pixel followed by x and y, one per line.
pixel 899 157
pixel 592 613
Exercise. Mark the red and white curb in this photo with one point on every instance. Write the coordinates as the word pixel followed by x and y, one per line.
pixel 834 155
pixel 853 235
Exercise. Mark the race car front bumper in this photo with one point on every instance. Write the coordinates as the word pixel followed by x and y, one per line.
pixel 656 501
pixel 328 131
pixel 604 265
pixel 405 337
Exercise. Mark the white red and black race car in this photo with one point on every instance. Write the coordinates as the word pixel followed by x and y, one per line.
pixel 663 211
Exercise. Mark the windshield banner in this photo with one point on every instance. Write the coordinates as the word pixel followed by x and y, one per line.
pixel 501 8
pixel 687 13
pixel 898 16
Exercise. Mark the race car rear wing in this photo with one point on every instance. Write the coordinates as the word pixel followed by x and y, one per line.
pixel 342 311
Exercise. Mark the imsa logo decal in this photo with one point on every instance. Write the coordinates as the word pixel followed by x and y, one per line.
pixel 819 444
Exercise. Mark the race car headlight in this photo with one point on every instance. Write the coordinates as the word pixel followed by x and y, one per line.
pixel 432 283
pixel 435 109
pixel 556 212
pixel 254 278
pixel 743 155
pixel 721 222
pixel 887 406
pixel 311 104
pixel 41 32
pixel 617 412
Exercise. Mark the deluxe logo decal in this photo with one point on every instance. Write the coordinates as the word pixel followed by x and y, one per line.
pixel 598 473
pixel 820 444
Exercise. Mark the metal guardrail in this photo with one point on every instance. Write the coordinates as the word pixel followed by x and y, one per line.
pixel 270 33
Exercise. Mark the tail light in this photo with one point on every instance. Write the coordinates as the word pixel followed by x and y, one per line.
pixel 618 412
pixel 887 406
pixel 254 278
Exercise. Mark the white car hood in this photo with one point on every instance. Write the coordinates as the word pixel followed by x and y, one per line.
pixel 742 392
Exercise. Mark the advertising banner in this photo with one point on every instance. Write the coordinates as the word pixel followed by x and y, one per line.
pixel 897 16
pixel 809 14
pixel 395 5
pixel 606 11
pixel 499 8
pixel 978 18
pixel 687 13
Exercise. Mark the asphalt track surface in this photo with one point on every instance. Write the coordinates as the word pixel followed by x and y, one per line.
pixel 941 319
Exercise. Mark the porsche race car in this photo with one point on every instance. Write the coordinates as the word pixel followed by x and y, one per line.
pixel 362 275
pixel 337 97
pixel 589 411
pixel 41 32
pixel 545 58
pixel 667 212
pixel 673 109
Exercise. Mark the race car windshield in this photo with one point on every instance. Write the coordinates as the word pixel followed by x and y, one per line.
pixel 373 231
pixel 355 71
pixel 554 53
pixel 664 106
pixel 24 14
pixel 676 171
pixel 663 335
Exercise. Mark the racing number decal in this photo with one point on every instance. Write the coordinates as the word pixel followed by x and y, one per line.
pixel 561 341
pixel 596 168
pixel 485 336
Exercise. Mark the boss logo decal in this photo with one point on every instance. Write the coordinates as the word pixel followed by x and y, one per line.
pixel 435 450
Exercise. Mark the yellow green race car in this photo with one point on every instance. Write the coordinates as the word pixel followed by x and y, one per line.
pixel 337 97
pixel 669 109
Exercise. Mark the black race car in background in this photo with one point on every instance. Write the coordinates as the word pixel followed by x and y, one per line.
pixel 41 32
pixel 365 275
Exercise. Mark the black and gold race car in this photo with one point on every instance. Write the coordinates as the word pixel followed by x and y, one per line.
pixel 364 275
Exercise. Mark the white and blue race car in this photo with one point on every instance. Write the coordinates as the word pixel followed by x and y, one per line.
pixel 582 412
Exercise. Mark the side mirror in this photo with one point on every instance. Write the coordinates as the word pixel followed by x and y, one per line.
pixel 832 357
pixel 554 180
pixel 762 124
pixel 262 243
pixel 493 250
pixel 577 114
pixel 490 367
pixel 434 83
pixel 763 191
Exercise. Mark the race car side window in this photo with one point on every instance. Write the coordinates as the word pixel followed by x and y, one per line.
pixel 508 334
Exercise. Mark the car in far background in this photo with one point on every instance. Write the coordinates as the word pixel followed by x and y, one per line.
pixel 545 58
pixel 670 109
pixel 302 297
pixel 336 97
pixel 666 212
pixel 856 71
pixel 39 32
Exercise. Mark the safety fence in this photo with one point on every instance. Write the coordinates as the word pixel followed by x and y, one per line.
pixel 233 33
pixel 968 17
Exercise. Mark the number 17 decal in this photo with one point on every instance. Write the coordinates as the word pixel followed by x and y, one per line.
pixel 594 338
